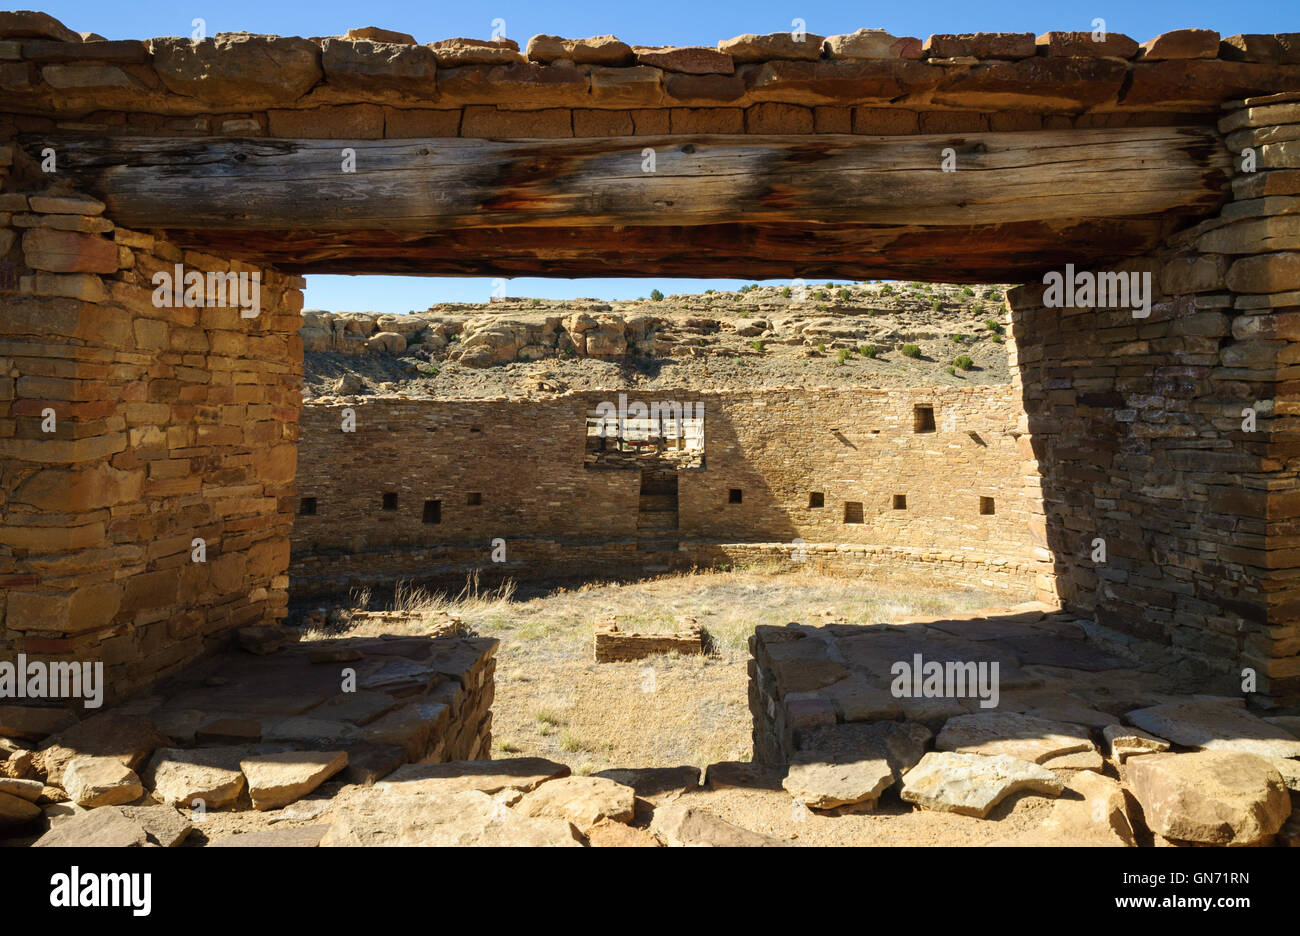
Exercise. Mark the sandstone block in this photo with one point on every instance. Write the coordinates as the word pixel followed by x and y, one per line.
pixel 1214 797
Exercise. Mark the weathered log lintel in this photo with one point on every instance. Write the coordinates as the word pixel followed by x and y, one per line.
pixel 749 206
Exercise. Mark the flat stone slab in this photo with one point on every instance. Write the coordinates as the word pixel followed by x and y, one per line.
pixel 821 781
pixel 1216 797
pixel 462 818
pixel 16 813
pixel 654 781
pixel 128 738
pixel 34 722
pixel 584 801
pixel 900 744
pixel 165 825
pixel 743 775
pixel 682 824
pixel 972 784
pixel 29 790
pixel 180 776
pixel 1020 736
pixel 101 781
pixel 519 773
pixel 298 837
pixel 107 827
pixel 1125 741
pixel 1074 715
pixel 1046 650
pixel 1213 727
pixel 276 780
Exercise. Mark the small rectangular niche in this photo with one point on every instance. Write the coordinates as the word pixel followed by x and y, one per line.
pixel 432 511
pixel 735 496
pixel 900 501
pixel 816 499
pixel 474 499
pixel 922 418
pixel 986 505
pixel 307 507
pixel 390 500
pixel 852 511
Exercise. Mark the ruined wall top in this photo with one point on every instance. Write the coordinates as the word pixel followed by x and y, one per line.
pixel 47 69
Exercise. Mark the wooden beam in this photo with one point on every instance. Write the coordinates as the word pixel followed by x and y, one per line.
pixel 435 185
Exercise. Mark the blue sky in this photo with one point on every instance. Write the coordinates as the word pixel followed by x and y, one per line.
pixel 640 22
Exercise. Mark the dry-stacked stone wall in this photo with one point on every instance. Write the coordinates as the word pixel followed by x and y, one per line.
pixel 373 84
pixel 147 447
pixel 1167 443
pixel 850 480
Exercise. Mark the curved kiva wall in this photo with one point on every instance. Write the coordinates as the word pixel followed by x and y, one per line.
pixel 424 489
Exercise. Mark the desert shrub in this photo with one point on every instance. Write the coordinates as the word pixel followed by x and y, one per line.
pixel 656 295
pixel 757 345
pixel 843 355
pixel 911 350
pixel 964 362
pixel 868 350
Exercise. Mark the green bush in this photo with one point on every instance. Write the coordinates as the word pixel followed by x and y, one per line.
pixel 967 291
pixel 886 290
pixel 868 350
pixel 993 326
pixel 952 371
pixel 843 355
pixel 964 362
pixel 656 295
pixel 911 350
pixel 821 346
pixel 757 345
pixel 936 305
pixel 958 338
pixel 844 294
pixel 785 293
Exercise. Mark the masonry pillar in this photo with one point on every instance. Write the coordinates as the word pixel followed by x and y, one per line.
pixel 1167 442
pixel 147 449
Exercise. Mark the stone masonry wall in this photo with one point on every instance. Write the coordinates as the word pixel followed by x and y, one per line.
pixel 373 84
pixel 126 431
pixel 1140 426
pixel 514 470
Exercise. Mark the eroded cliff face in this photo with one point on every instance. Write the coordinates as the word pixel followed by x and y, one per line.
pixel 837 335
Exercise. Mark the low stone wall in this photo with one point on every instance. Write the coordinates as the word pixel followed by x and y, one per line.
pixel 239 731
pixel 615 646
pixel 447 568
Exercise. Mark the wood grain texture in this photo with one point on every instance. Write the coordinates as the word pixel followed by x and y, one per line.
pixel 749 206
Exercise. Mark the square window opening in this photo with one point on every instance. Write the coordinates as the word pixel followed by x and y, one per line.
pixel 922 418
pixel 433 511
pixel 475 499
pixel 900 501
pixel 816 499
pixel 307 507
pixel 852 511
pixel 986 505
pixel 735 496
pixel 390 500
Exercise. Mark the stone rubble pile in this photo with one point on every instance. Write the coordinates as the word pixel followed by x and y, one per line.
pixel 1126 757
pixel 242 731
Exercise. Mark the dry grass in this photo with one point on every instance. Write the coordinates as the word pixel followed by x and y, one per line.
pixel 553 700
